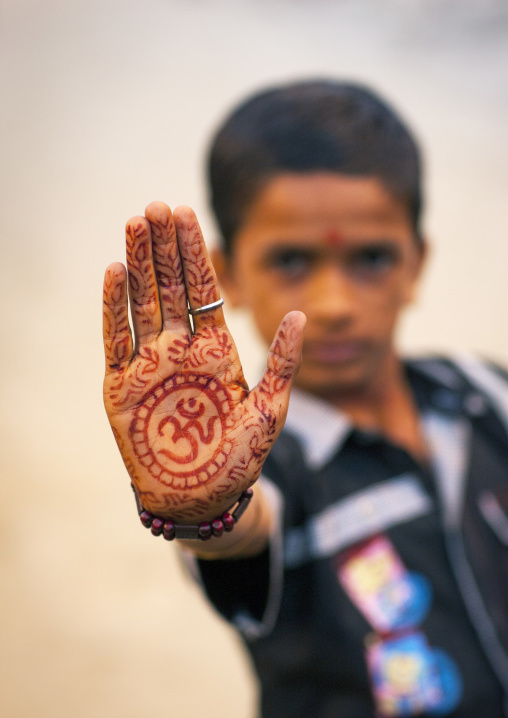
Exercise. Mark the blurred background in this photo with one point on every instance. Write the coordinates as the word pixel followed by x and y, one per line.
pixel 105 106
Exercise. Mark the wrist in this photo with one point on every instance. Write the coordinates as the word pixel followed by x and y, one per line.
pixel 250 537
pixel 202 531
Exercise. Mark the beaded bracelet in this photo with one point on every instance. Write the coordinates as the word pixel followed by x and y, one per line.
pixel 202 531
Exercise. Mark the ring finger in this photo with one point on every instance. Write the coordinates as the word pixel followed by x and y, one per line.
pixel 200 277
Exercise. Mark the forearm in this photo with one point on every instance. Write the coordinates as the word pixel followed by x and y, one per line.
pixel 249 537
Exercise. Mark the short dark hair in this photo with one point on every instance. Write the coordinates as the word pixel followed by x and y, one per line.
pixel 306 127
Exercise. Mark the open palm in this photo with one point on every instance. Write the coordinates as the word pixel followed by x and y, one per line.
pixel 191 434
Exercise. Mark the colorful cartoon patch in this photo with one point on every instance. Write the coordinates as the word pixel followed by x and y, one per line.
pixel 410 678
pixel 379 585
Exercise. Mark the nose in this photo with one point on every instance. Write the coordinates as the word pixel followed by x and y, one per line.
pixel 333 298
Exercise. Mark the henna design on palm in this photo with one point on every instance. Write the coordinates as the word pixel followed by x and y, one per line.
pixel 191 434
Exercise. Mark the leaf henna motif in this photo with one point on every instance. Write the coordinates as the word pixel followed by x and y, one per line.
pixel 168 263
pixel 117 338
pixel 213 347
pixel 132 384
pixel 141 276
pixel 201 277
pixel 183 504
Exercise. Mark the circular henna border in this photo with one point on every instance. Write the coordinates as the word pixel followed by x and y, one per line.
pixel 138 430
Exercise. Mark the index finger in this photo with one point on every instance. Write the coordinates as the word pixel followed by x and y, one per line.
pixel 200 278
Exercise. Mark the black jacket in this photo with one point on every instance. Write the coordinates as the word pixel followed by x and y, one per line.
pixel 447 522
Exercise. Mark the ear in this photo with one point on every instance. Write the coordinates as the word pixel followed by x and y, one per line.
pixel 224 268
pixel 421 253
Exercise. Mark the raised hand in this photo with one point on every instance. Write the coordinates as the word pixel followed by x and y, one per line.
pixel 191 434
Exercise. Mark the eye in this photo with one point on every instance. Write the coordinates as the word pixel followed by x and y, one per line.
pixel 291 263
pixel 374 260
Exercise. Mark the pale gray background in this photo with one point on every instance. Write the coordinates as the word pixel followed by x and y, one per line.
pixel 105 106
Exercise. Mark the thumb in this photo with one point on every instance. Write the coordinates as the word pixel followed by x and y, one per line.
pixel 267 403
pixel 284 357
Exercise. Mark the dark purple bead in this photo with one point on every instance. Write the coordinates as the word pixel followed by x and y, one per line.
pixel 228 521
pixel 205 530
pixel 146 518
pixel 169 530
pixel 157 526
pixel 217 527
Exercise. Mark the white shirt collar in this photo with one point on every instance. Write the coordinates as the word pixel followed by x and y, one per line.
pixel 319 427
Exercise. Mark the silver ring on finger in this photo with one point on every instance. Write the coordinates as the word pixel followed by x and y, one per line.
pixel 207 307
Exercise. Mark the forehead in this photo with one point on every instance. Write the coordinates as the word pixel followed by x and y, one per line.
pixel 323 206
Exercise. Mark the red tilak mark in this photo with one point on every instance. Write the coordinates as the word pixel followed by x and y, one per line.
pixel 333 237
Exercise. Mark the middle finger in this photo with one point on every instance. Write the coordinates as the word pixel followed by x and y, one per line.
pixel 168 266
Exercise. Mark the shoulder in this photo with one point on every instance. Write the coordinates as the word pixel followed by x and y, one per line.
pixel 480 372
pixel 474 382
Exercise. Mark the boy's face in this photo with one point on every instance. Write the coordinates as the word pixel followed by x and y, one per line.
pixel 340 249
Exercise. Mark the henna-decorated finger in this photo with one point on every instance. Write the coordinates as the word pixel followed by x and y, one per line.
pixel 144 296
pixel 116 330
pixel 283 362
pixel 200 277
pixel 168 266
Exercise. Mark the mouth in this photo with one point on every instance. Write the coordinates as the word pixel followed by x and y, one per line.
pixel 334 352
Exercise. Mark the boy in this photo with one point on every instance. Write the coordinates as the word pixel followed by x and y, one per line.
pixel 368 574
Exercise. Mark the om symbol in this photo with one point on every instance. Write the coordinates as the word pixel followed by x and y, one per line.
pixel 185 432
pixel 170 447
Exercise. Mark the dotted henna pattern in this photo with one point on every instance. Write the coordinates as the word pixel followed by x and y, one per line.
pixel 194 422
